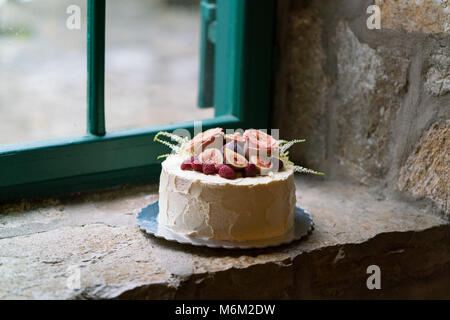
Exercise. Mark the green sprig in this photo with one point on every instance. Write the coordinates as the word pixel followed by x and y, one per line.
pixel 286 145
pixel 176 148
pixel 284 156
pixel 301 169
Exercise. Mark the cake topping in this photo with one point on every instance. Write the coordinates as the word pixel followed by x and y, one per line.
pixel 250 170
pixel 260 142
pixel 234 146
pixel 218 167
pixel 211 155
pixel 209 168
pixel 234 159
pixel 237 138
pixel 226 172
pixel 263 165
pixel 255 152
pixel 186 165
pixel 203 139
pixel 197 166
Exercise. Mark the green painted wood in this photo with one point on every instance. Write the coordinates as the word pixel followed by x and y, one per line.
pixel 84 183
pixel 206 71
pixel 243 76
pixel 72 156
pixel 257 93
pixel 229 56
pixel 242 95
pixel 96 67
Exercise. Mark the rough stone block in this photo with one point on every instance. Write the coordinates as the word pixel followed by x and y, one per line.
pixel 426 171
pixel 303 113
pixel 425 16
pixel 437 80
pixel 370 86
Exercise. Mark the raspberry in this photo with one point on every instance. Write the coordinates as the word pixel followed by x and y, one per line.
pixel 186 165
pixel 226 172
pixel 197 166
pixel 209 168
pixel 218 167
pixel 249 170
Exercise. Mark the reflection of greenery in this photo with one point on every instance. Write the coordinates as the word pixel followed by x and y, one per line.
pixel 17 32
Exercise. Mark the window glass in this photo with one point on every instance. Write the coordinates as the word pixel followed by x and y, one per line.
pixel 42 69
pixel 152 53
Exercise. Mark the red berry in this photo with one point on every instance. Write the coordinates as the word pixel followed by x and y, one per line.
pixel 218 167
pixel 226 172
pixel 193 158
pixel 186 165
pixel 209 168
pixel 250 170
pixel 197 166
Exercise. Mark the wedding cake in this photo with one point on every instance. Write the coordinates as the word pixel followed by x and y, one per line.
pixel 237 187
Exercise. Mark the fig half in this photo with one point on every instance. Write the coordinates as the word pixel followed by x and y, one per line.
pixel 211 155
pixel 203 140
pixel 234 159
pixel 263 165
pixel 258 142
pixel 236 137
pixel 233 146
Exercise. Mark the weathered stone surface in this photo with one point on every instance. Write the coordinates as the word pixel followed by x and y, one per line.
pixel 302 113
pixel 353 229
pixel 426 171
pixel 437 81
pixel 370 86
pixel 427 16
pixel 110 259
pixel 30 217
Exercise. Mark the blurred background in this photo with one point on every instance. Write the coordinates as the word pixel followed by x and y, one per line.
pixel 152 49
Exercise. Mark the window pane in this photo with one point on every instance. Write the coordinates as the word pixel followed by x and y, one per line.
pixel 42 69
pixel 152 49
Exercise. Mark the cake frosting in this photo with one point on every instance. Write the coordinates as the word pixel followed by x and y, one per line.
pixel 209 206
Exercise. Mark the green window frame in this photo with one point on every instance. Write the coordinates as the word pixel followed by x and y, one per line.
pixel 243 34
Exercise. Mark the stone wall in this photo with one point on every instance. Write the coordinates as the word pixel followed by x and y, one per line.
pixel 374 105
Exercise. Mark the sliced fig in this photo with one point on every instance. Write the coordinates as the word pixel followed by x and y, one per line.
pixel 236 137
pixel 212 156
pixel 236 147
pixel 259 142
pixel 203 139
pixel 263 165
pixel 234 159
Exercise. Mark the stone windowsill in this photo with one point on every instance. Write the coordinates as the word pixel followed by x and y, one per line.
pixel 354 228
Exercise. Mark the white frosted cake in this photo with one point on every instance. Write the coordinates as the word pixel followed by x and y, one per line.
pixel 228 186
pixel 209 206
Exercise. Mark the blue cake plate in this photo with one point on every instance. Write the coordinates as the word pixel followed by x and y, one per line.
pixel 148 222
